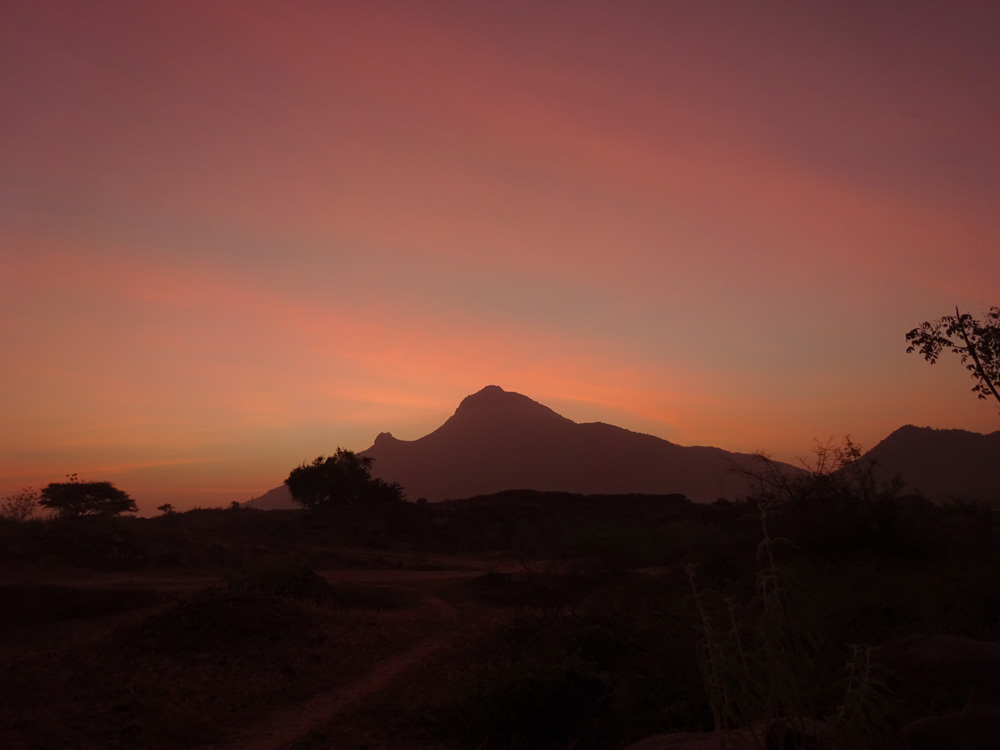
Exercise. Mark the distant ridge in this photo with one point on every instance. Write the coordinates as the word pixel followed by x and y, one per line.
pixel 943 464
pixel 499 440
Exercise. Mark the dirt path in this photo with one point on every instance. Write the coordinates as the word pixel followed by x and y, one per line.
pixel 402 641
pixel 282 728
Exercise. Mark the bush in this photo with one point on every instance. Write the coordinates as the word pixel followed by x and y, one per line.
pixel 341 479
pixel 21 506
pixel 76 499
pixel 606 671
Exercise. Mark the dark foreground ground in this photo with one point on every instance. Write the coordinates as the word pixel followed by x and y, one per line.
pixel 525 620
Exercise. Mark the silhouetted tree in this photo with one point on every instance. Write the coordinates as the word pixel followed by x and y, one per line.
pixel 75 499
pixel 166 509
pixel 341 479
pixel 977 342
pixel 21 506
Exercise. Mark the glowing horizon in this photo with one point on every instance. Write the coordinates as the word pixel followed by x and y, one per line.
pixel 232 240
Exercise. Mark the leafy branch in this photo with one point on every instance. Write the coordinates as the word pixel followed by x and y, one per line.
pixel 977 342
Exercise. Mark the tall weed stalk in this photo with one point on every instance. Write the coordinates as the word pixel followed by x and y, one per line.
pixel 758 662
pixel 757 656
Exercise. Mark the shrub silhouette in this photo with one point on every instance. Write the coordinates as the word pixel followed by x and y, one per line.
pixel 21 506
pixel 75 499
pixel 844 507
pixel 341 479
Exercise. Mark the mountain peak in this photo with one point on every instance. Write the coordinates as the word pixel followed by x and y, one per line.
pixel 490 390
pixel 501 440
pixel 494 400
pixel 489 394
pixel 942 463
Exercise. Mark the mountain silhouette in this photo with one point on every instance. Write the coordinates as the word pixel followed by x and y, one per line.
pixel 499 440
pixel 942 464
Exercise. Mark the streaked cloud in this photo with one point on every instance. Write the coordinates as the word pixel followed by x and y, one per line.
pixel 232 238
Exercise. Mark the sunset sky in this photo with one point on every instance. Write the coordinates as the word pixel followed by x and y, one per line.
pixel 236 235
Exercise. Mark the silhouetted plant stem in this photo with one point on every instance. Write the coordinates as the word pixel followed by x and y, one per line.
pixel 718 694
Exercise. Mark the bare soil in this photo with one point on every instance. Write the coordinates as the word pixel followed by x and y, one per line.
pixel 163 659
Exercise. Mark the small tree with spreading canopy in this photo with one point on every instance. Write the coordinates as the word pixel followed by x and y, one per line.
pixel 976 341
pixel 341 479
pixel 76 499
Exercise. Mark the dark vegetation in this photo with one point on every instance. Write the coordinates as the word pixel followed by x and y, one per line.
pixel 76 499
pixel 341 479
pixel 975 341
pixel 552 620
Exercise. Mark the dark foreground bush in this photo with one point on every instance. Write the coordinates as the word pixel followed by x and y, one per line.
pixel 594 675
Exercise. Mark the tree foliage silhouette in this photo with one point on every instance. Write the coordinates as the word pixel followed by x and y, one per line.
pixel 75 499
pixel 341 479
pixel 977 342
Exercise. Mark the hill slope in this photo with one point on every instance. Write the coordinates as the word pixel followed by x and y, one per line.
pixel 499 440
pixel 943 464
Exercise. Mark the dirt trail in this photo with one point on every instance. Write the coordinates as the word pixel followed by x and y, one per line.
pixel 434 624
pixel 282 728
